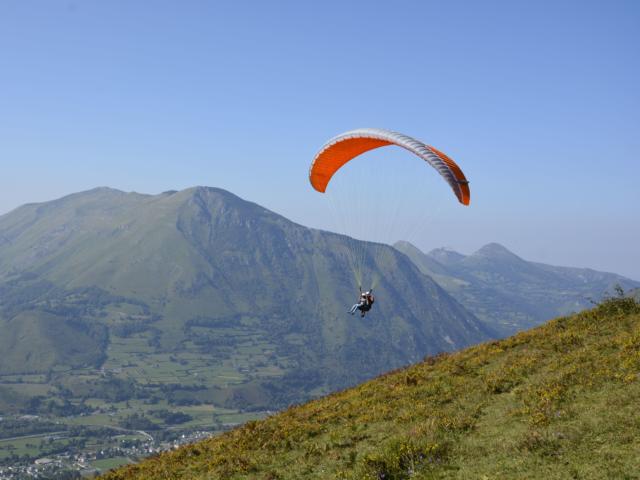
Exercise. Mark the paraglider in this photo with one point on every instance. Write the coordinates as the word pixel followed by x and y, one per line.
pixel 343 148
pixel 346 146
pixel 364 304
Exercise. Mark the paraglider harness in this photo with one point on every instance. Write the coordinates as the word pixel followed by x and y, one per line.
pixel 366 301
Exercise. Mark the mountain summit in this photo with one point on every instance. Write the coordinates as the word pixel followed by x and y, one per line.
pixel 203 274
pixel 443 255
pixel 495 251
pixel 508 292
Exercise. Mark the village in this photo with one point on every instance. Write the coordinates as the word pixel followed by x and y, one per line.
pixel 72 465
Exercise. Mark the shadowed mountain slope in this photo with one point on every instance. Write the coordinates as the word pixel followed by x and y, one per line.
pixel 559 401
pixel 205 272
pixel 510 293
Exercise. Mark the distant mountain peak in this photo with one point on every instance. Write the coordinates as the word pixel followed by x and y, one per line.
pixel 104 189
pixel 213 192
pixel 219 201
pixel 495 251
pixel 446 255
pixel 97 191
pixel 205 189
pixel 404 242
pixel 404 245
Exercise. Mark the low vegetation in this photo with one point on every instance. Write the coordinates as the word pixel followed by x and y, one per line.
pixel 558 401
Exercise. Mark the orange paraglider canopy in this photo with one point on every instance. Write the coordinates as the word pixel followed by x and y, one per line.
pixel 345 147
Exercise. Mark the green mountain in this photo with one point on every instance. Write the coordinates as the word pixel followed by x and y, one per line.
pixel 559 401
pixel 201 295
pixel 509 293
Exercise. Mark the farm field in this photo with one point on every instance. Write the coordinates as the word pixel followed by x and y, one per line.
pixel 139 400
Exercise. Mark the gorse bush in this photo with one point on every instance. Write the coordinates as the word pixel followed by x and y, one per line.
pixel 619 306
pixel 401 459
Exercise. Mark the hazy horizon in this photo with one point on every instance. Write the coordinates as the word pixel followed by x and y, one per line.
pixel 425 250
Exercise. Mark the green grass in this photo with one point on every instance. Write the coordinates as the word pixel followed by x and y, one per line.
pixel 29 389
pixel 19 447
pixel 132 358
pixel 92 420
pixel 109 463
pixel 32 445
pixel 559 401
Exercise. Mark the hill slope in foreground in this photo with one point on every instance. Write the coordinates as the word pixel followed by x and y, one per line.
pixel 558 401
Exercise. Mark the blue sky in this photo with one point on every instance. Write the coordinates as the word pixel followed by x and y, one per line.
pixel 539 102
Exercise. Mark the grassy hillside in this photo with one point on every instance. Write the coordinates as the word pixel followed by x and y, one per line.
pixel 558 401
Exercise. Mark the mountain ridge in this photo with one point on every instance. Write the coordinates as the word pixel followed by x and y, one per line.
pixel 202 272
pixel 508 292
